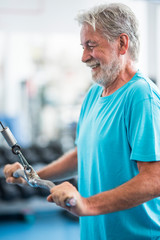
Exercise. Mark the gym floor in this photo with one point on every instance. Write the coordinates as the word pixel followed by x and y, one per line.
pixel 57 224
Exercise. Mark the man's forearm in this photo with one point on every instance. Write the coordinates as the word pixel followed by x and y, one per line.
pixel 63 168
pixel 138 190
pixel 142 188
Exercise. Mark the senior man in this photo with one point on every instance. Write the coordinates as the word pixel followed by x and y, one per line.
pixel 117 150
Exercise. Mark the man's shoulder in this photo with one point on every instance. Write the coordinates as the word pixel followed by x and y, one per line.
pixel 94 89
pixel 93 92
pixel 91 96
pixel 143 88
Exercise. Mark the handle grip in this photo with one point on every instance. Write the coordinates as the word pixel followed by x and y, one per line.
pixel 19 173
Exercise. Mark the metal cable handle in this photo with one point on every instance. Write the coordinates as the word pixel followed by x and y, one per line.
pixel 38 182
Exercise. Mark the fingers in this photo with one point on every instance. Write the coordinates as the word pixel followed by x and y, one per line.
pixel 12 180
pixel 65 191
pixel 50 199
pixel 9 169
pixel 61 193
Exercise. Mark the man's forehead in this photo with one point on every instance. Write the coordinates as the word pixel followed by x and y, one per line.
pixel 89 35
pixel 87 29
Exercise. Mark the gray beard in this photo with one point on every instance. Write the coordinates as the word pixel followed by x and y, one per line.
pixel 108 74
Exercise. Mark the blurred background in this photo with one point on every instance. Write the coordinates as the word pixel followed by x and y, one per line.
pixel 42 86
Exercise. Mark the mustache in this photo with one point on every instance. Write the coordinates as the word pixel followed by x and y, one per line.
pixel 92 63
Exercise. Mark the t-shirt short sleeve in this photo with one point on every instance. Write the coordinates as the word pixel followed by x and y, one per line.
pixel 144 131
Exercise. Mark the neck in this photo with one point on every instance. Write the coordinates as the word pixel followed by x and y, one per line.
pixel 123 77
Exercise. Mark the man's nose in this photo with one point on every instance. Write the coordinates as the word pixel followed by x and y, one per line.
pixel 86 56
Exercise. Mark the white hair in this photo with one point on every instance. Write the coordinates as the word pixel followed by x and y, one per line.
pixel 112 20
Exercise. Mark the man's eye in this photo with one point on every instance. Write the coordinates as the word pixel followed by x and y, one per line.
pixel 91 47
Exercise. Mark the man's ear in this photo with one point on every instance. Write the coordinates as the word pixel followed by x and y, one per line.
pixel 123 43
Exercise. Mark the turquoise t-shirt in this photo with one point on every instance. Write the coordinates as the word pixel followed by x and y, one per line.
pixel 112 133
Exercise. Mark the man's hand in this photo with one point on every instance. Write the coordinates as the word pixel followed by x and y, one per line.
pixel 9 169
pixel 64 191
